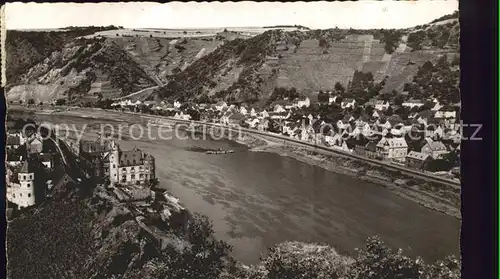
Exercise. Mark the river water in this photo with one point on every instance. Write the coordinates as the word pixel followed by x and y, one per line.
pixel 258 199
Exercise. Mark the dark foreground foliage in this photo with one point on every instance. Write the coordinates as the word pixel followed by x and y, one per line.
pixel 70 238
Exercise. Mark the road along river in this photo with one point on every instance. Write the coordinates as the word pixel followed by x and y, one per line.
pixel 258 199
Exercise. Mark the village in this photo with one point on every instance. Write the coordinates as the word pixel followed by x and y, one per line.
pixel 419 134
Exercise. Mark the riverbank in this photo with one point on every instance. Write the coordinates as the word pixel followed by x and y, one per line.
pixel 438 197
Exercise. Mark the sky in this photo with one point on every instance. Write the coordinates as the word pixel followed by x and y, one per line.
pixel 316 15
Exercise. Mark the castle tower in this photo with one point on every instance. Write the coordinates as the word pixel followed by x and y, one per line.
pixel 114 159
pixel 149 167
pixel 26 192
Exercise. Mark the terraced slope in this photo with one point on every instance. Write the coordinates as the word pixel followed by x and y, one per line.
pixel 83 70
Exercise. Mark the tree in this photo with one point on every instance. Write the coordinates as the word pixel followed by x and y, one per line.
pixel 205 257
pixel 323 43
pixel 323 97
pixel 389 112
pixel 60 102
pixel 398 100
pixel 339 87
pixel 31 101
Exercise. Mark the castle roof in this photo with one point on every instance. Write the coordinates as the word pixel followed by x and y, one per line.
pixel 13 140
pixel 27 167
pixel 131 158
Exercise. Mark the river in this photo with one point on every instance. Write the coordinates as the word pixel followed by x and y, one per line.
pixel 258 199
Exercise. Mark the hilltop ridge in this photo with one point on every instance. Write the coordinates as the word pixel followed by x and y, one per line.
pixel 229 65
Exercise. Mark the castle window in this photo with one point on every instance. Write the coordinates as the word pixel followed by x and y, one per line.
pixel 24 177
pixel 20 194
pixel 114 166
pixel 141 175
pixel 132 176
pixel 29 195
pixel 28 185
pixel 31 176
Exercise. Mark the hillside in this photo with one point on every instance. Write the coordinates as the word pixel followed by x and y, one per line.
pixel 311 60
pixel 83 70
pixel 216 64
pixel 26 48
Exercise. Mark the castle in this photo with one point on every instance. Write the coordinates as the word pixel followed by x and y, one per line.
pixel 27 187
pixel 132 166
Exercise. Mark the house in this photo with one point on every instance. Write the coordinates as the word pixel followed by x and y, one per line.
pixel 12 159
pixel 263 125
pixel 381 105
pixel 177 105
pixel 13 142
pixel 253 113
pixel 398 130
pixel 264 114
pixel 252 122
pixel 47 160
pixel 412 103
pixel 445 114
pixel 417 160
pixel 394 120
pixel 375 114
pixel 392 149
pixel 437 106
pixel 236 119
pixel 371 150
pixel 435 149
pixel 348 103
pixel 183 116
pixel 34 144
pixel 278 108
pixel 220 105
pixel 332 99
pixel 132 166
pixel 224 119
pixel 279 115
pixel 303 102
pixel 243 110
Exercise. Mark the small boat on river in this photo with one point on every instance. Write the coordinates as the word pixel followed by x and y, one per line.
pixel 219 151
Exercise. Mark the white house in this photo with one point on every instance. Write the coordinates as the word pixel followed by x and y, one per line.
pixel 348 103
pixel 243 110
pixel 445 114
pixel 253 112
pixel 264 114
pixel 392 149
pixel 220 105
pixel 382 105
pixel 332 99
pixel 412 103
pixel 437 106
pixel 278 108
pixel 303 102
pixel 435 149
pixel 177 104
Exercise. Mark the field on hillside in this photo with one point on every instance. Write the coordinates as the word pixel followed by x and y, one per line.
pixel 160 56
